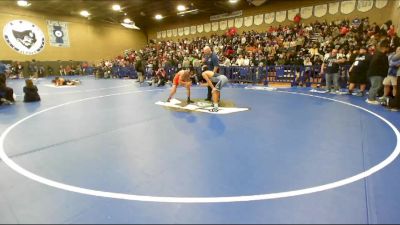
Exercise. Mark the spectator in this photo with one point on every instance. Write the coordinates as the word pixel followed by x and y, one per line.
pixel 377 71
pixel 139 66
pixel 391 80
pixel 31 92
pixel 330 68
pixel 33 69
pixel 358 71
pixel 6 93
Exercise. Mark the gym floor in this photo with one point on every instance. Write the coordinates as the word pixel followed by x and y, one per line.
pixel 103 152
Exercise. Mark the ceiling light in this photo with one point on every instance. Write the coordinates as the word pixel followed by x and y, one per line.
pixel 158 17
pixel 23 3
pixel 233 1
pixel 130 25
pixel 85 13
pixel 127 20
pixel 181 8
pixel 116 7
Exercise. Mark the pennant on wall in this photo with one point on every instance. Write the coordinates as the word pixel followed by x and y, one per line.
pixel 223 25
pixel 180 31
pixel 187 30
pixel 231 23
pixel 334 8
pixel 320 10
pixel 292 13
pixel 258 19
pixel 269 18
pixel 248 21
pixel 207 27
pixel 159 35
pixel 381 3
pixel 58 33
pixel 214 26
pixel 193 30
pixel 365 5
pixel 175 32
pixel 281 16
pixel 239 22
pixel 200 28
pixel 347 7
pixel 306 12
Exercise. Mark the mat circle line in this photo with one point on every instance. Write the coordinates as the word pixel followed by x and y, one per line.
pixel 121 196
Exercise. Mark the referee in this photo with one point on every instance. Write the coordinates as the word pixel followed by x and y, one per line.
pixel 211 60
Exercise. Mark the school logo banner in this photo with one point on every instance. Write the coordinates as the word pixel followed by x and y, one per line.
pixel 24 37
pixel 58 34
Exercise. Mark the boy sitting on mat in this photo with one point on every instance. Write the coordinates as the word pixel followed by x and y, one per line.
pixel 221 80
pixel 182 78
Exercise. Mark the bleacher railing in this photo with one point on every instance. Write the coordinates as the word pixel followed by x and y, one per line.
pixel 294 75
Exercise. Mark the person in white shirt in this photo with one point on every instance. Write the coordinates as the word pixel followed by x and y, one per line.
pixel 246 61
pixel 240 60
pixel 227 62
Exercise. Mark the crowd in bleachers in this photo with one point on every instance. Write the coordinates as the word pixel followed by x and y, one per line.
pixel 306 45
pixel 282 45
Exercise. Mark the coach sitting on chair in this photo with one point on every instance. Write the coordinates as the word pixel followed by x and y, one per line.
pixel 211 60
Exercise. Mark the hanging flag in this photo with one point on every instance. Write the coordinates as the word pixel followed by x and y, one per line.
pixel 58 33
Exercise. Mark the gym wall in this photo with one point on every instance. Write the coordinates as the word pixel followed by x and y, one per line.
pixel 89 41
pixel 375 15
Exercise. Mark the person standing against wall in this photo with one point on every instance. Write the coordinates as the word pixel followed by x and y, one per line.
pixel 331 68
pixel 212 61
pixel 378 70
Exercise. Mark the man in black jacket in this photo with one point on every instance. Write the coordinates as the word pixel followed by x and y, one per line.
pixel 377 71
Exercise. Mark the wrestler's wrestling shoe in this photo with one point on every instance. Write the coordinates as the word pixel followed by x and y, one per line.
pixel 189 101
pixel 214 110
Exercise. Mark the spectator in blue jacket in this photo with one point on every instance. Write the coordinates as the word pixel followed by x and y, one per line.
pixel 391 79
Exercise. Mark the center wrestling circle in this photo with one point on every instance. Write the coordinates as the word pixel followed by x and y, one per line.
pixel 14 166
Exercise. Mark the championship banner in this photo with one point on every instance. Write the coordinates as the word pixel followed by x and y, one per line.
pixel 281 16
pixel 215 26
pixel 248 21
pixel 193 30
pixel 292 13
pixel 169 33
pixel 334 8
pixel 187 31
pixel 320 10
pixel 365 5
pixel 223 25
pixel 381 3
pixel 269 18
pixel 180 31
pixel 239 22
pixel 347 7
pixel 207 27
pixel 258 19
pixel 200 28
pixel 58 33
pixel 175 32
pixel 231 22
pixel 159 35
pixel 306 12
